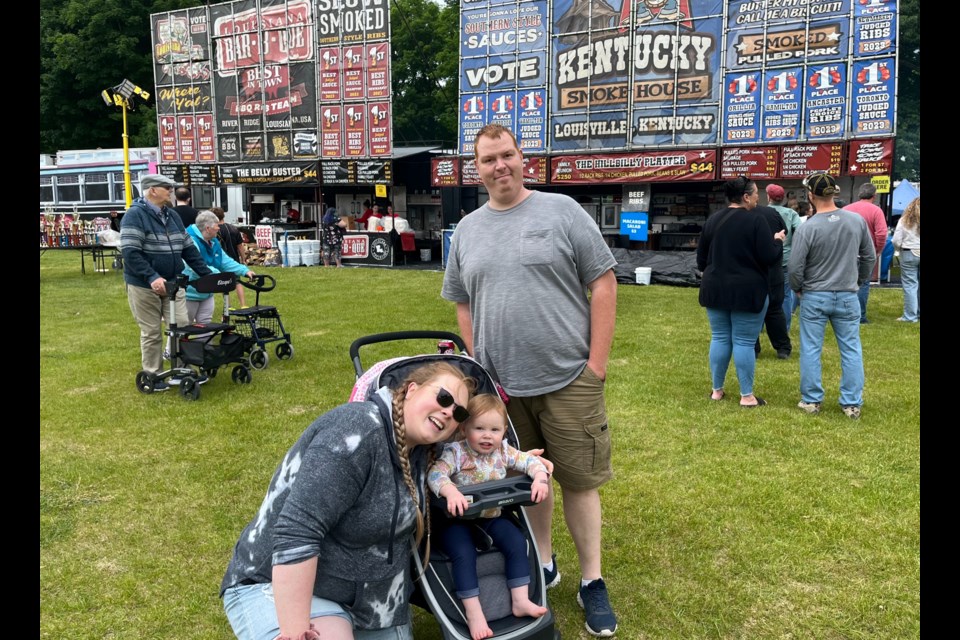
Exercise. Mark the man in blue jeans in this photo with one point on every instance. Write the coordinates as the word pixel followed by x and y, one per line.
pixel 832 256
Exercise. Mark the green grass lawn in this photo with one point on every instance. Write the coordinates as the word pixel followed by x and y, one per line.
pixel 720 522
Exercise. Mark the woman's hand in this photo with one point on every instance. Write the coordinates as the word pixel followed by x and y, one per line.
pixel 780 235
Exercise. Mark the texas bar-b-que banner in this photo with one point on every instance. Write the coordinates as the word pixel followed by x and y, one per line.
pixel 265 84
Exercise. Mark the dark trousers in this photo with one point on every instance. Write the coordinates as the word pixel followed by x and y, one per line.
pixel 776 323
pixel 458 541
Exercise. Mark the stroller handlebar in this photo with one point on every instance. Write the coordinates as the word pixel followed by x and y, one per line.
pixel 512 490
pixel 400 335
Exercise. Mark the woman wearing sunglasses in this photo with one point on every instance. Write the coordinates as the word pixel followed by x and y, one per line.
pixel 328 552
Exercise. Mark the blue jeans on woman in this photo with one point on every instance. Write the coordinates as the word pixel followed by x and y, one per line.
pixel 459 544
pixel 910 278
pixel 842 310
pixel 734 333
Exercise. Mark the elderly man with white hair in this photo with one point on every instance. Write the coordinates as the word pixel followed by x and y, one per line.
pixel 204 233
pixel 155 247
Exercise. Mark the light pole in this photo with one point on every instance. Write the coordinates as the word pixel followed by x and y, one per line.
pixel 122 96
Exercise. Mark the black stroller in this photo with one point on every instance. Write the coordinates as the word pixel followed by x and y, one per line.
pixel 435 589
pixel 204 346
pixel 259 325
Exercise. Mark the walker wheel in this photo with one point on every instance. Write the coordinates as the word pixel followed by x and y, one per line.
pixel 189 389
pixel 145 382
pixel 284 350
pixel 259 359
pixel 241 374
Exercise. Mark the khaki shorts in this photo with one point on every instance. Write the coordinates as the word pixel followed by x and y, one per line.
pixel 570 424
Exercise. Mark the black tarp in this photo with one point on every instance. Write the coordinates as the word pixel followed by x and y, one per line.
pixel 677 268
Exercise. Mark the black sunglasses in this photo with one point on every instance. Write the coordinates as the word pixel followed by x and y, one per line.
pixel 445 399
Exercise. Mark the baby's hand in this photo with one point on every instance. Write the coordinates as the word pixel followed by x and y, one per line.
pixel 456 502
pixel 540 487
pixel 539 490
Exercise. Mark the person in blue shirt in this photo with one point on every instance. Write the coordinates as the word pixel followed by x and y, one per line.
pixel 204 235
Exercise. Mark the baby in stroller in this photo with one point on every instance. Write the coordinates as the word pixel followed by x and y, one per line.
pixel 481 454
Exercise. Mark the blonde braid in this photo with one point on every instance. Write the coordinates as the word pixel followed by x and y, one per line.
pixel 403 452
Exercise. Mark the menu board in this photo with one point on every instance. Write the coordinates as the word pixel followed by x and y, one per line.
pixel 444 172
pixel 756 163
pixel 800 160
pixel 356 171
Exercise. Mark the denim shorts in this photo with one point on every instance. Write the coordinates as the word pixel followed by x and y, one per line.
pixel 253 615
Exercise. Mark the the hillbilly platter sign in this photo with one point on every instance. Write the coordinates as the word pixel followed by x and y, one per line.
pixel 629 74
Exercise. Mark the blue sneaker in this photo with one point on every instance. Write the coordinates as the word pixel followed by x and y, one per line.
pixel 601 620
pixel 552 578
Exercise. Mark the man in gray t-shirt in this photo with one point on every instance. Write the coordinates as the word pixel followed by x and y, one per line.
pixel 832 256
pixel 536 303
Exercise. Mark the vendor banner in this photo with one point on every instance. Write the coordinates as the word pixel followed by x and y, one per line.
pixel 182 73
pixel 665 166
pixel 624 75
pixel 270 173
pixel 370 249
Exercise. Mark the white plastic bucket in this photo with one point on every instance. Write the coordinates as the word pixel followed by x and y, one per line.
pixel 643 275
pixel 310 253
pixel 426 255
pixel 291 252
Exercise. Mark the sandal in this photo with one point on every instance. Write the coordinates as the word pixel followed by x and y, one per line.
pixel 760 402
pixel 723 394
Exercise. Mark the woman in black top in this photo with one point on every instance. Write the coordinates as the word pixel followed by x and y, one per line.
pixel 736 250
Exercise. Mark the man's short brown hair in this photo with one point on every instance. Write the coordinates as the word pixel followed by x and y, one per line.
pixel 493 131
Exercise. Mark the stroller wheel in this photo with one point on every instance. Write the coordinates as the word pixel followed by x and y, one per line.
pixel 259 359
pixel 145 382
pixel 241 374
pixel 284 350
pixel 189 389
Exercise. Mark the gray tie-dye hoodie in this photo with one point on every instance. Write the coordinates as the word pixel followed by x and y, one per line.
pixel 339 495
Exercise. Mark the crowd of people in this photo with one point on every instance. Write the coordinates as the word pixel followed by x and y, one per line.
pixel 326 554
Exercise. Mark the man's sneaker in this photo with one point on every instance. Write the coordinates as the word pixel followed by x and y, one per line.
pixel 552 578
pixel 596 604
pixel 809 407
pixel 783 354
pixel 203 379
pixel 174 381
pixel 852 412
pixel 159 386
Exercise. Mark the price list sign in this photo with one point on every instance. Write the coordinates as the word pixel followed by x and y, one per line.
pixel 800 160
pixel 756 163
